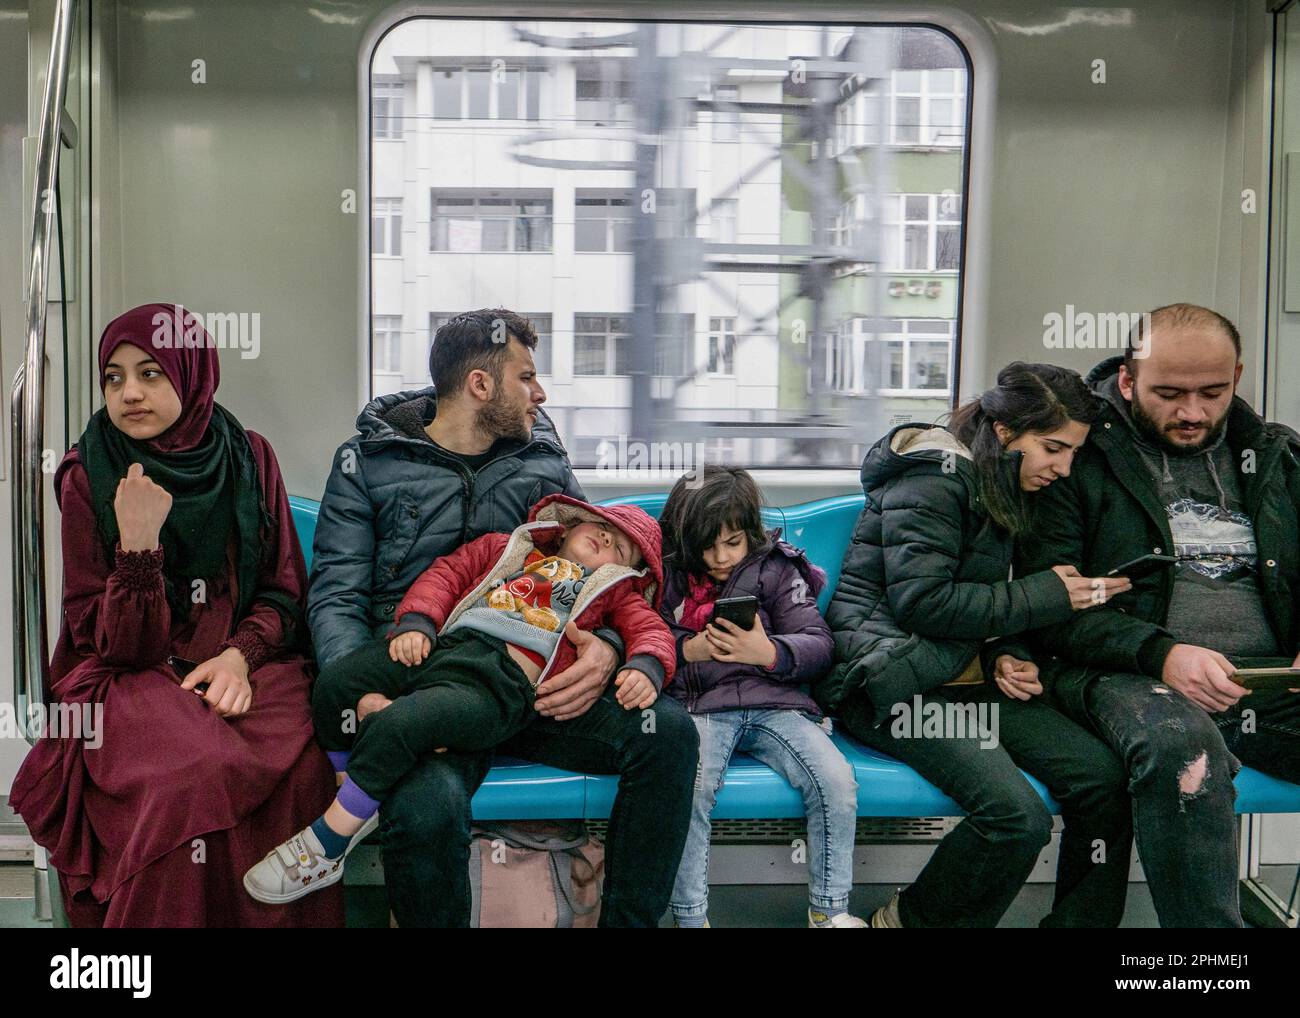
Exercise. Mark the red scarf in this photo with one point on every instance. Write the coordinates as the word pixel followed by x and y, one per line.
pixel 697 605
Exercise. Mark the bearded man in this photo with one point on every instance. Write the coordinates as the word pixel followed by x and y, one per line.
pixel 1178 465
pixel 429 471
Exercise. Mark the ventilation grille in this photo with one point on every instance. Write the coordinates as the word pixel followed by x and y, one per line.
pixel 784 831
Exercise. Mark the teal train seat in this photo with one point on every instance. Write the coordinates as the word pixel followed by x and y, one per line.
pixel 518 790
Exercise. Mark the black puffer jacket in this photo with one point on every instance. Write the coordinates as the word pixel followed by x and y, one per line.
pixel 924 581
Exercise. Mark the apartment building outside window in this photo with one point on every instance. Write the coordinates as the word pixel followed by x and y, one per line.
pixel 386 105
pixel 497 220
pixel 484 92
pixel 914 356
pixel 923 232
pixel 603 93
pixel 929 107
pixel 722 346
pixel 600 344
pixel 726 122
pixel 673 336
pixel 723 213
pixel 386 226
pixel 602 221
pixel 387 342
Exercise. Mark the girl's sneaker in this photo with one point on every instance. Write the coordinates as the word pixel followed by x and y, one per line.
pixel 841 921
pixel 299 866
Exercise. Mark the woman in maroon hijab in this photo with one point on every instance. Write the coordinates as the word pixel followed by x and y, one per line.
pixel 178 549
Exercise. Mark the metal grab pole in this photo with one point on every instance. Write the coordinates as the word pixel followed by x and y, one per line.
pixel 18 527
pixel 31 673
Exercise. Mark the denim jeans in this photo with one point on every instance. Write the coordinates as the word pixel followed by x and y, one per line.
pixel 978 869
pixel 425 821
pixel 1181 762
pixel 801 751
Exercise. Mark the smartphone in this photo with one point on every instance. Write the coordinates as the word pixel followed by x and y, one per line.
pixel 1145 565
pixel 739 611
pixel 1267 678
pixel 183 666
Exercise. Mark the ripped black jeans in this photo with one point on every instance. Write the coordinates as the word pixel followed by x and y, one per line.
pixel 1181 762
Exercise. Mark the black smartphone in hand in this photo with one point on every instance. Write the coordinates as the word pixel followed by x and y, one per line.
pixel 1144 565
pixel 739 611
pixel 182 667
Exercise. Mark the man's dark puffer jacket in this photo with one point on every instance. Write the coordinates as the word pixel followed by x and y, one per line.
pixel 394 503
pixel 924 581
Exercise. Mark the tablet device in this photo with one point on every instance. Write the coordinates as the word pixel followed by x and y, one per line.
pixel 1267 678
pixel 1144 565
pixel 738 610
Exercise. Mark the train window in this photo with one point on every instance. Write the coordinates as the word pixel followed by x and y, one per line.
pixel 751 235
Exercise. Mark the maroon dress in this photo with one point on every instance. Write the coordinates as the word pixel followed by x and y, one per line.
pixel 157 825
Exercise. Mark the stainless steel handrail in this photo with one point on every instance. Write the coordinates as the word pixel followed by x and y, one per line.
pixel 17 528
pixel 31 661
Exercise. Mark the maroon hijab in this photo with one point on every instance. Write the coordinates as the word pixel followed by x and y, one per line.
pixel 177 340
pixel 203 460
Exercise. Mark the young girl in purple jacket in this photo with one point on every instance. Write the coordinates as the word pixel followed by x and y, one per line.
pixel 744 688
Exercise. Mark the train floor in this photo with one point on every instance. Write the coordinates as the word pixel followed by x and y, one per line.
pixel 773 905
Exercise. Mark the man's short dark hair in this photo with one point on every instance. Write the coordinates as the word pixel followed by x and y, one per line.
pixel 1178 316
pixel 475 340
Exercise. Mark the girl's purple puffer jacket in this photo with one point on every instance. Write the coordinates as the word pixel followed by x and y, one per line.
pixel 786 585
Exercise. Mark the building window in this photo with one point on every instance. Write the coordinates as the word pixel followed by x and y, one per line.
pixel 479 92
pixel 673 335
pixel 674 212
pixel 387 343
pixel 850 220
pixel 723 214
pixel 499 220
pixel 928 108
pixel 603 94
pixel 915 355
pixel 726 122
pixel 386 100
pixel 386 226
pixel 840 352
pixel 601 344
pixel 923 232
pixel 542 353
pixel 722 346
pixel 602 223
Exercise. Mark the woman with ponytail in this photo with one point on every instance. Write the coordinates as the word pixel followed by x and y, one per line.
pixel 925 583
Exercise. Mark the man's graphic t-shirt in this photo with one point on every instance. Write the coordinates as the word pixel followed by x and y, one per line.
pixel 1216 601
